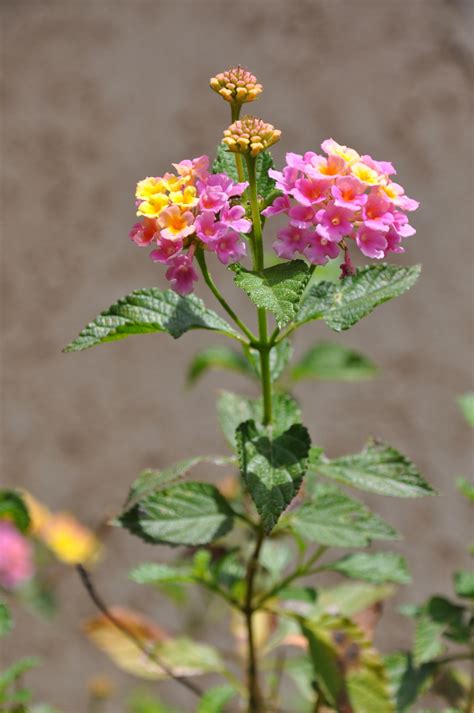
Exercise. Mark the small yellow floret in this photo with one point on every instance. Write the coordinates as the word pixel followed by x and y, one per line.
pixel 70 541
pixel 152 207
pixel 366 174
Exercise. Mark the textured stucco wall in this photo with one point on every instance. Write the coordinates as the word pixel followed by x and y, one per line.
pixel 98 94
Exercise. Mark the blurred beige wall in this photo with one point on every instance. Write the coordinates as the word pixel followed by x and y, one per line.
pixel 98 94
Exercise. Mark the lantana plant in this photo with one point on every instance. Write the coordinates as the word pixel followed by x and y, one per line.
pixel 257 539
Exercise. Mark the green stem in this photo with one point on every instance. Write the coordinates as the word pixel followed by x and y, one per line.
pixel 264 346
pixel 255 701
pixel 301 571
pixel 235 113
pixel 200 257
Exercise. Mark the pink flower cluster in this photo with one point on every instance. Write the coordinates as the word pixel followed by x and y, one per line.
pixel 189 208
pixel 338 197
pixel 16 561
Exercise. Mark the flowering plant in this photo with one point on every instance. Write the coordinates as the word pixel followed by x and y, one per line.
pixel 256 540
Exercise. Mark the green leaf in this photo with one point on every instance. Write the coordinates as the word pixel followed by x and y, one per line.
pixel 465 488
pixel 377 567
pixel 464 584
pixel 407 682
pixel 157 573
pixel 13 508
pixel 342 305
pixel 272 467
pixel 214 699
pixel 144 702
pixel 225 163
pixel 329 361
pixel 378 468
pixel 151 480
pixel 368 691
pixel 326 666
pixel 277 289
pixel 466 402
pixel 350 599
pixel 6 621
pixel 217 357
pixel 336 520
pixel 186 514
pixel 146 311
pixel 233 409
pixel 11 674
pixel 438 618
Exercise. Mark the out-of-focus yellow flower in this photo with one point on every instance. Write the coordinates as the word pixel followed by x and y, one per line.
pixel 100 687
pixel 70 541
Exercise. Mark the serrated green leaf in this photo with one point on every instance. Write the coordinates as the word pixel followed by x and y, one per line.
pixel 217 357
pixel 342 305
pixel 272 466
pixel 234 409
pixel 146 311
pixel 277 289
pixel 466 402
pixel 158 573
pixel 465 488
pixel 328 361
pixel 378 468
pixel 407 682
pixel 186 514
pixel 464 584
pixel 336 520
pixel 376 567
pixel 428 643
pixel 6 621
pixel 151 480
pixel 13 508
pixel 214 699
pixel 225 163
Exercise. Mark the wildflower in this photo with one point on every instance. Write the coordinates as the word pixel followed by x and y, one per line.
pixel 335 199
pixel 181 274
pixel 186 210
pixel 250 136
pixel 175 223
pixel 16 560
pixel 236 85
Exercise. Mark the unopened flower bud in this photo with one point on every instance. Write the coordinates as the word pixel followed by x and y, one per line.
pixel 236 85
pixel 250 136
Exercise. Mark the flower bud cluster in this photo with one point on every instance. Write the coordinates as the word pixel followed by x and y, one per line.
pixel 250 136
pixel 189 208
pixel 236 85
pixel 340 197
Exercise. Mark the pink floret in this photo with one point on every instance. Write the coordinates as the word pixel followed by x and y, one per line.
pixel 16 560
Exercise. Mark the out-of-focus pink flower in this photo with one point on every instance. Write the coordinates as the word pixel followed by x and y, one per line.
pixel 16 559
pixel 334 223
pixel 371 243
pixel 234 218
pixel 229 247
pixel 376 212
pixel 290 241
pixel 195 168
pixel 284 180
pixel 181 274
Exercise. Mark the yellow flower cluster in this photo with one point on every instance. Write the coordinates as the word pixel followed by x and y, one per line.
pixel 250 136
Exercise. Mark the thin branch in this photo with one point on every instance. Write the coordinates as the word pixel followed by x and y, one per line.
pixel 149 653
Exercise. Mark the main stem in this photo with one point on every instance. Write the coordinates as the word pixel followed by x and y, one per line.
pixel 235 113
pixel 255 700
